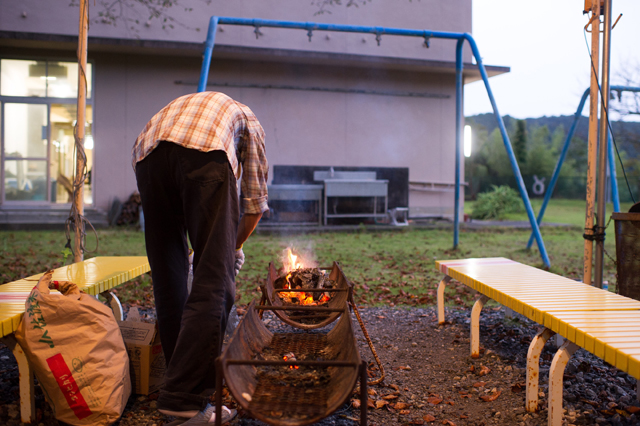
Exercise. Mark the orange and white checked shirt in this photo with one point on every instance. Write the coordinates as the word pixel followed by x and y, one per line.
pixel 209 121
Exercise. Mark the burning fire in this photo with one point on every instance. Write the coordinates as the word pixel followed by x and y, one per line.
pixel 291 357
pixel 290 263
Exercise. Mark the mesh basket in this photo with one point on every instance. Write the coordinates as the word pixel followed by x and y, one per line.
pixel 628 253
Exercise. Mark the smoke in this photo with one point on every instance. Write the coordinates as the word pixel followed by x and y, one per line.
pixel 298 254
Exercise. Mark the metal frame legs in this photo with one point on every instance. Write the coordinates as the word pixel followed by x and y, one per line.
pixel 114 303
pixel 556 373
pixel 475 325
pixel 440 298
pixel 533 367
pixel 27 395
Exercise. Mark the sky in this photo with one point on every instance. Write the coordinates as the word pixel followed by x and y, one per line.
pixel 544 44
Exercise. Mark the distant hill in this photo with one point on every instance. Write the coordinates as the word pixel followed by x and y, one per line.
pixel 624 132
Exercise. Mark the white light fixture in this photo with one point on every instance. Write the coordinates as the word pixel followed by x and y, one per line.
pixel 88 142
pixel 467 141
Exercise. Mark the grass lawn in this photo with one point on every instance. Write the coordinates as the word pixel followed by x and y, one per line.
pixel 570 212
pixel 392 268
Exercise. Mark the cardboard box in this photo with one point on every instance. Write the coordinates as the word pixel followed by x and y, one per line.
pixel 146 359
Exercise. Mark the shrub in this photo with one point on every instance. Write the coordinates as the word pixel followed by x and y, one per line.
pixel 495 204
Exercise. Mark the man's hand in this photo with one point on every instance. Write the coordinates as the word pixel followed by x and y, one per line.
pixel 239 260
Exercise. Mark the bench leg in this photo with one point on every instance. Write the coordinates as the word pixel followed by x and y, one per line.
pixel 115 304
pixel 556 372
pixel 27 396
pixel 533 367
pixel 441 287
pixel 475 326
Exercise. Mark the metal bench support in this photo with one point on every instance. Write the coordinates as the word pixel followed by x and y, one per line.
pixel 533 367
pixel 114 303
pixel 440 298
pixel 27 395
pixel 556 373
pixel 475 325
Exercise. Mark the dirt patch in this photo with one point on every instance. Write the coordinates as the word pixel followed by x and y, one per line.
pixel 431 379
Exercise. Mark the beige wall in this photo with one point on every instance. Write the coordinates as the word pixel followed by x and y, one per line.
pixel 56 17
pixel 302 127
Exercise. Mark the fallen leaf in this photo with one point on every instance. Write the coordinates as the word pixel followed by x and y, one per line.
pixel 479 384
pixel 355 402
pixel 417 422
pixel 622 412
pixel 492 397
pixel 433 400
pixel 462 416
pixel 405 412
pixel 592 403
pixel 472 368
pixel 450 402
pixel 518 387
pixel 380 317
pixel 389 397
pixel 381 403
pixel 394 387
pixel 402 367
pixel 372 392
pixel 632 409
pixel 484 370
pixel 429 418
pixel 400 405
pixel 448 422
pixel 371 403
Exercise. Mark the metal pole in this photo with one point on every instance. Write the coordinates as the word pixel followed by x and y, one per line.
pixel 78 182
pixel 208 49
pixel 593 143
pixel 615 195
pixel 602 154
pixel 459 124
pixel 512 157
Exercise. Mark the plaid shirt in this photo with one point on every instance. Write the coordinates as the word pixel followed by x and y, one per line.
pixel 209 121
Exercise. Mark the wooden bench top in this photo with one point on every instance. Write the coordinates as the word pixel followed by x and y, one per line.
pixel 604 323
pixel 93 276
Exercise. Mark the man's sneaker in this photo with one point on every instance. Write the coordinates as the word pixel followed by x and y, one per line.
pixel 183 414
pixel 206 417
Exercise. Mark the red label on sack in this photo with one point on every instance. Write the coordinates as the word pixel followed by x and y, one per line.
pixel 68 386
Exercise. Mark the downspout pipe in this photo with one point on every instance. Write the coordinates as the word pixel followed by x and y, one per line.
pixel 206 56
pixel 459 133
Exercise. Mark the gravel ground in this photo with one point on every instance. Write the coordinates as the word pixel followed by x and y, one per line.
pixel 431 379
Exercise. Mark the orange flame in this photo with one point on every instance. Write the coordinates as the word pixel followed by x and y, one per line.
pixel 291 263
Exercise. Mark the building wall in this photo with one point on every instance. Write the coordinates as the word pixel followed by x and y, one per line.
pixel 302 127
pixel 343 124
pixel 56 17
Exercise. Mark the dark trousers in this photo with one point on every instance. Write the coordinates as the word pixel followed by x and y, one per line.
pixel 189 192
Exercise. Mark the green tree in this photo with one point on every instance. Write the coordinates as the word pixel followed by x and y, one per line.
pixel 520 142
pixel 496 156
pixel 540 157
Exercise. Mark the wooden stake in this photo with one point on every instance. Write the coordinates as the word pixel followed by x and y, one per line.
pixel 78 201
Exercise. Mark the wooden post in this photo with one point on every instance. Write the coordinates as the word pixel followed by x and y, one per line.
pixel 593 142
pixel 604 139
pixel 78 182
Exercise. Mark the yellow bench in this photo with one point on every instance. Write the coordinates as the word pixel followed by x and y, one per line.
pixel 603 323
pixel 93 276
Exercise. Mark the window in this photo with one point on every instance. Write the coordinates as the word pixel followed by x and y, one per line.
pixel 38 109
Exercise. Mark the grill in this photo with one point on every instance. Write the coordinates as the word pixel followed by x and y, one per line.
pixel 307 317
pixel 271 391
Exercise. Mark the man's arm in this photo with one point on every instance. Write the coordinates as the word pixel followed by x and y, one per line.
pixel 247 224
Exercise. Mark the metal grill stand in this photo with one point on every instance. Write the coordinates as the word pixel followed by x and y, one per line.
pixel 287 403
